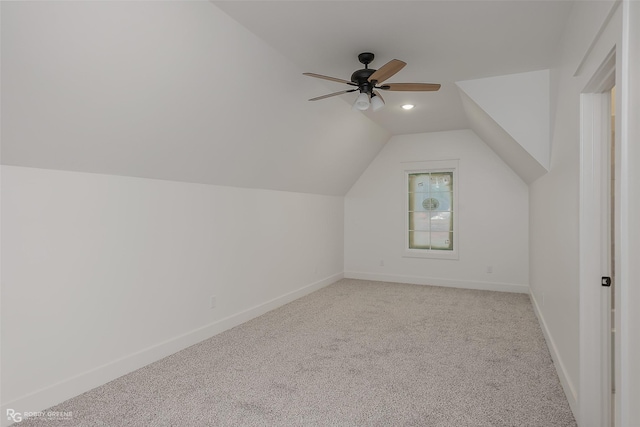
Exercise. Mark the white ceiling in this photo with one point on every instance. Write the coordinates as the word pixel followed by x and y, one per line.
pixel 213 92
pixel 441 41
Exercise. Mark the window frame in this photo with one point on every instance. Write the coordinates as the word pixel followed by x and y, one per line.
pixel 432 166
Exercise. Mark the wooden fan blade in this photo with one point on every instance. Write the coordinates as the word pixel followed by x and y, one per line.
pixel 378 94
pixel 387 70
pixel 333 79
pixel 333 94
pixel 410 86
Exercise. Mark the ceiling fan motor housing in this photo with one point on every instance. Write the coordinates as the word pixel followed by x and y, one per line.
pixel 361 78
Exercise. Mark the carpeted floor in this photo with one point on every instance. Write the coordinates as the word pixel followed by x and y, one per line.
pixel 355 353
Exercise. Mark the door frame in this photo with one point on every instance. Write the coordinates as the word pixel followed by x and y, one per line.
pixel 595 399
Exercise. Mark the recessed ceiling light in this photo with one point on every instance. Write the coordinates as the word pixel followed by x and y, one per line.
pixel 408 106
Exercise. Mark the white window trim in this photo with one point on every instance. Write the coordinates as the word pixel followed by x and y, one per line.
pixel 431 166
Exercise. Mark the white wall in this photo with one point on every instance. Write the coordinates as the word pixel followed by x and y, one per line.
pixel 493 217
pixel 173 90
pixel 555 197
pixel 104 274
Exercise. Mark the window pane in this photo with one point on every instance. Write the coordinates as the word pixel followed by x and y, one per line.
pixel 418 191
pixel 418 182
pixel 419 240
pixel 417 202
pixel 419 221
pixel 443 200
pixel 441 221
pixel 440 181
pixel 441 240
pixel 422 202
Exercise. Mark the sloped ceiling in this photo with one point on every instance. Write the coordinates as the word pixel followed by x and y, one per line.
pixel 520 103
pixel 441 41
pixel 169 90
pixel 511 114
pixel 501 142
pixel 212 92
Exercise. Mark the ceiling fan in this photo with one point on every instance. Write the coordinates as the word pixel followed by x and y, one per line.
pixel 368 80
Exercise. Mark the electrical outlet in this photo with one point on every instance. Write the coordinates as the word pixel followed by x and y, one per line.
pixel 212 301
pixel 489 269
pixel 381 263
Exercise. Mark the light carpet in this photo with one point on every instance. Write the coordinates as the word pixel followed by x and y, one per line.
pixel 356 353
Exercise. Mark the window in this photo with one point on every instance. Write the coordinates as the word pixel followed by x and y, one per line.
pixel 431 209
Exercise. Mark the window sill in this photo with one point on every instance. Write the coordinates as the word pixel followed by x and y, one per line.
pixel 430 254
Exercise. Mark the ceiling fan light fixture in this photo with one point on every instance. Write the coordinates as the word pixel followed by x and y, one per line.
pixel 407 106
pixel 368 81
pixel 362 102
pixel 376 102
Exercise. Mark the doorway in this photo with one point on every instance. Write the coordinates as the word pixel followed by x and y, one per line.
pixel 598 228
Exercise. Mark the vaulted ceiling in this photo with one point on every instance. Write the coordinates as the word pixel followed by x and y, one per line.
pixel 441 41
pixel 213 92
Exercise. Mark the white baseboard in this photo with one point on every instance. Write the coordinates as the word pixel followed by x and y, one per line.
pixel 567 385
pixel 436 281
pixel 54 394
